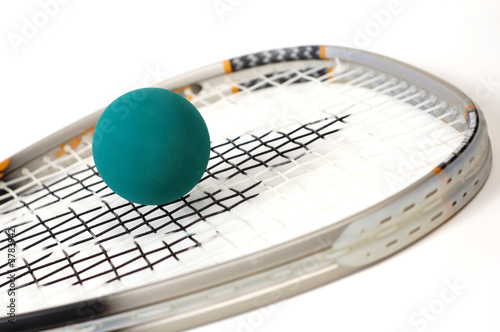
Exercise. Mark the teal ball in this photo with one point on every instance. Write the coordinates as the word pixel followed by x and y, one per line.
pixel 151 146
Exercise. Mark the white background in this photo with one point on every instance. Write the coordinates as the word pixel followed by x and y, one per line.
pixel 89 52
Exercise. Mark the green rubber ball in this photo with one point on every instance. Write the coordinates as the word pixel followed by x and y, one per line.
pixel 151 146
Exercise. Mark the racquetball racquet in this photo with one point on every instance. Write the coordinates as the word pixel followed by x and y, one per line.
pixel 324 160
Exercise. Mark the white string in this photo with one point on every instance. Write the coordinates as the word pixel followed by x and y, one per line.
pixel 335 176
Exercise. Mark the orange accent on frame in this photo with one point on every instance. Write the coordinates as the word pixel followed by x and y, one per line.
pixel 442 175
pixel 437 170
pixel 322 52
pixel 73 143
pixel 181 91
pixel 227 66
pixel 330 71
pixel 3 166
pixel 234 89
pixel 467 110
pixel 88 130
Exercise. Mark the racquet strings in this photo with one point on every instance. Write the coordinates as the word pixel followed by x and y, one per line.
pixel 296 147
